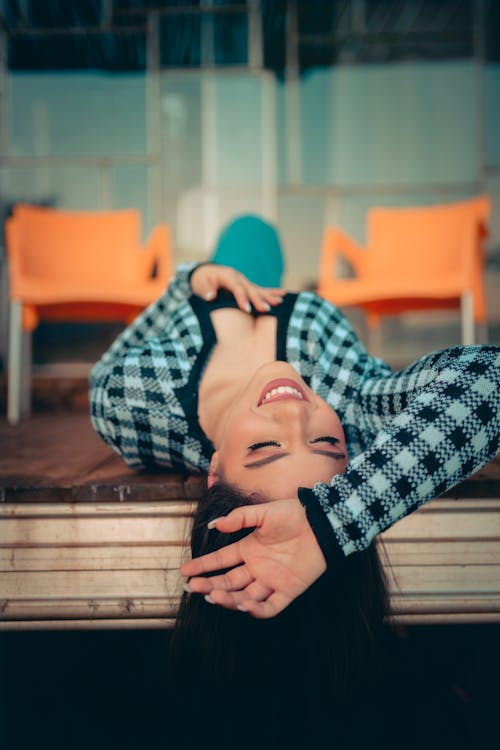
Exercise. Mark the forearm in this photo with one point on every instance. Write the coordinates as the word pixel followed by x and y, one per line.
pixel 447 431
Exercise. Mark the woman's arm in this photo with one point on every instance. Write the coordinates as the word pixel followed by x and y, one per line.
pixel 442 424
pixel 266 570
pixel 123 405
pixel 439 421
pixel 203 279
pixel 133 405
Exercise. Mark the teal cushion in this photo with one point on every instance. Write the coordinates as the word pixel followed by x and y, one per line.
pixel 252 246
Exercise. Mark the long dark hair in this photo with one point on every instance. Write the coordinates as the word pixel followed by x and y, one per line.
pixel 227 669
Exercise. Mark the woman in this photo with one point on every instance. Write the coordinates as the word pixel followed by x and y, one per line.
pixel 274 395
pixel 271 393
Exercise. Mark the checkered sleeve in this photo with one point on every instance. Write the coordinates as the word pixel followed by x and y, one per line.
pixel 130 393
pixel 151 322
pixel 434 424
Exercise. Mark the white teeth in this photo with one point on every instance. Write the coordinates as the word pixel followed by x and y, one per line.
pixel 282 389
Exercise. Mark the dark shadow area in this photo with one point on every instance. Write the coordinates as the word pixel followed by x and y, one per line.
pixel 78 690
pixel 94 690
pixel 69 342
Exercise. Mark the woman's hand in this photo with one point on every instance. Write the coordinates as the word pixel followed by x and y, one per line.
pixel 269 568
pixel 209 277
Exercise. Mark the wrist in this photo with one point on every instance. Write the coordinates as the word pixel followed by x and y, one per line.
pixel 321 527
pixel 196 268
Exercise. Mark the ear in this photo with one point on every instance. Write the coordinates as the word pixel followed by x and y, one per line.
pixel 213 470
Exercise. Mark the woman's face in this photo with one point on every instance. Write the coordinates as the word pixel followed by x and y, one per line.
pixel 278 435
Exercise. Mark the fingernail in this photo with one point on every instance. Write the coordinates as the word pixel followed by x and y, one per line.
pixel 267 307
pixel 211 524
pixel 241 608
pixel 248 307
pixel 186 588
pixel 209 599
pixel 209 295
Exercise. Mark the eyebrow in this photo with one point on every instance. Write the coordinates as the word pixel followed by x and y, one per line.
pixel 277 456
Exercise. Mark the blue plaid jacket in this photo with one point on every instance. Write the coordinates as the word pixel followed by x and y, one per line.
pixel 411 435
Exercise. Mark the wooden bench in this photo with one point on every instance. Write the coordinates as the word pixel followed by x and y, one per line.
pixel 87 543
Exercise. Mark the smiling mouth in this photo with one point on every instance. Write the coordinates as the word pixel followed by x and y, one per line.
pixel 280 390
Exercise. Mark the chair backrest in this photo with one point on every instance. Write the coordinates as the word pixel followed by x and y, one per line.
pixel 424 241
pixel 61 246
pixel 252 246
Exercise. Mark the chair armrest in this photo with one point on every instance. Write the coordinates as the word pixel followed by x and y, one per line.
pixel 337 244
pixel 158 254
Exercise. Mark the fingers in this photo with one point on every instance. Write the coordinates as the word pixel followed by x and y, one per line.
pixel 240 518
pixel 209 278
pixel 263 299
pixel 240 291
pixel 270 607
pixel 235 599
pixel 226 557
pixel 234 580
pixel 203 282
pixel 256 599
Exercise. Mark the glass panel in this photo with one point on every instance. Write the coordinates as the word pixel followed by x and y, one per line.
pixel 408 124
pixel 239 130
pixel 182 163
pixel 492 113
pixel 76 113
pixel 181 129
pixel 130 189
pixel 300 222
pixel 77 188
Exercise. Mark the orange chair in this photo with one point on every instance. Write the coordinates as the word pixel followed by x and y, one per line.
pixel 417 258
pixel 76 266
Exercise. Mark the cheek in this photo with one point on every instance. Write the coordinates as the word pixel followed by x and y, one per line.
pixel 331 423
pixel 238 433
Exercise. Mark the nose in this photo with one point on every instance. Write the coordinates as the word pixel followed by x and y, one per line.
pixel 290 412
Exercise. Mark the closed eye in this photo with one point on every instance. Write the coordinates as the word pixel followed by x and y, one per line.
pixel 265 444
pixel 256 446
pixel 326 439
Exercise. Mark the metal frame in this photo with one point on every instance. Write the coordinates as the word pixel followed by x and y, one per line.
pixel 4 284
pixel 292 97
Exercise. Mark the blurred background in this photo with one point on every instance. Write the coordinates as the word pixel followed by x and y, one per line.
pixel 305 113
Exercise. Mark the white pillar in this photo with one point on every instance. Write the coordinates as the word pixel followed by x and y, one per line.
pixel 467 311
pixel 15 356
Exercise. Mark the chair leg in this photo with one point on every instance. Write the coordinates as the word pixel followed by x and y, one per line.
pixel 375 340
pixel 25 396
pixel 467 311
pixel 15 355
pixel 373 323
